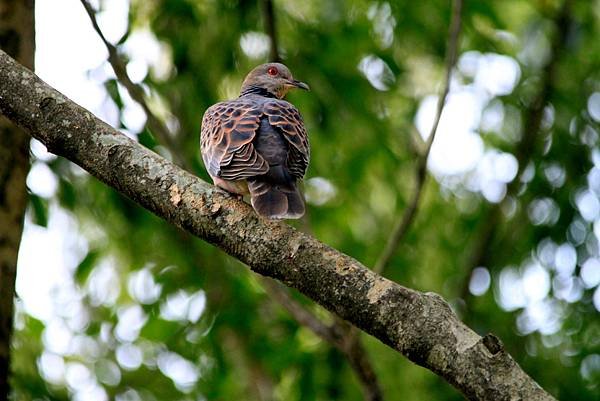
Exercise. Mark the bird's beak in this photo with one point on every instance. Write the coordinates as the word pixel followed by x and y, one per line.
pixel 297 84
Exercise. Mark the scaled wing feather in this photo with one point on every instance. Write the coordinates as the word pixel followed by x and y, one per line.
pixel 228 129
pixel 288 120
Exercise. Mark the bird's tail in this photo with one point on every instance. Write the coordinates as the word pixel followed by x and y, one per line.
pixel 276 201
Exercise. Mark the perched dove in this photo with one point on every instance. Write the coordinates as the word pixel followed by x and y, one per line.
pixel 257 144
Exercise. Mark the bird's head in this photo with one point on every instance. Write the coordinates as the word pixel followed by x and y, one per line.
pixel 275 78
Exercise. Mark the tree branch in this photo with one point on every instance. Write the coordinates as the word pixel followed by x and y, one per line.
pixel 135 91
pixel 271 29
pixel 338 335
pixel 300 313
pixel 404 223
pixel 421 326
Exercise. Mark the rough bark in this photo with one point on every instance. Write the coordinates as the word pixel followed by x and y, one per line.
pixel 421 326
pixel 17 39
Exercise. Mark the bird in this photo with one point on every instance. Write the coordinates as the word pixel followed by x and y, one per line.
pixel 257 144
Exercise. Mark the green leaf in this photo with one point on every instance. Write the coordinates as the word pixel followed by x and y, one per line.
pixel 85 267
pixel 39 209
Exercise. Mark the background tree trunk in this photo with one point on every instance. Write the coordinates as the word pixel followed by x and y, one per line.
pixel 17 38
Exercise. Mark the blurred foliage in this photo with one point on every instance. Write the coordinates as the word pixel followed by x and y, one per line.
pixel 153 314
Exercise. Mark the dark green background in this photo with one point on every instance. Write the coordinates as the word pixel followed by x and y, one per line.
pixel 245 346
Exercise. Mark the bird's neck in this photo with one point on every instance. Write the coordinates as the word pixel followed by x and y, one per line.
pixel 256 90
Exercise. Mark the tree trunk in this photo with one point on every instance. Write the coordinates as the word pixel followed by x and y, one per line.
pixel 17 39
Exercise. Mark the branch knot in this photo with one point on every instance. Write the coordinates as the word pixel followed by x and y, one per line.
pixel 492 343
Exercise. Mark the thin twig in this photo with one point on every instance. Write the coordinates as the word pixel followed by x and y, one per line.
pixel 135 91
pixel 340 335
pixel 525 149
pixel 403 224
pixel 359 361
pixel 299 312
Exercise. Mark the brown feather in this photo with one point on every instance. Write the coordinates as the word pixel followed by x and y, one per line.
pixel 228 129
pixel 243 150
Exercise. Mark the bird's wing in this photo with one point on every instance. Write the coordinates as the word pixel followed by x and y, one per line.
pixel 228 129
pixel 284 116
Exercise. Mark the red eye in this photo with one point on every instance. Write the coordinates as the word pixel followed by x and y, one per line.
pixel 272 71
